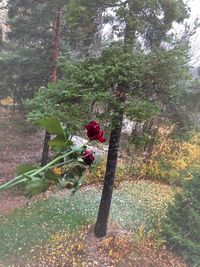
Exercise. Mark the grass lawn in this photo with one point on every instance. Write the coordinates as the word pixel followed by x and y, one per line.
pixel 134 204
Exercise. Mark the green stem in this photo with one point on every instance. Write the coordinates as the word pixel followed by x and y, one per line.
pixel 49 165
pixel 16 179
pixel 7 186
pixel 60 164
pixel 34 172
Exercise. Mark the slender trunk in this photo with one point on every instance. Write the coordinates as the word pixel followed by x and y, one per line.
pixel 104 208
pixel 45 151
pixel 47 137
pixel 97 37
pixel 56 45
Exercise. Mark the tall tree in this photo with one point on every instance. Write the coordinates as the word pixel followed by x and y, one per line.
pixel 54 75
pixel 85 21
pixel 155 30
pixel 27 57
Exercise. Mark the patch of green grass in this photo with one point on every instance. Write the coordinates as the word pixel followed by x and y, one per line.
pixel 133 204
pixel 31 226
pixel 141 203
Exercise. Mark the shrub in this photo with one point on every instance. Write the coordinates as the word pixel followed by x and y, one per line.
pixel 182 226
pixel 172 160
pixel 97 172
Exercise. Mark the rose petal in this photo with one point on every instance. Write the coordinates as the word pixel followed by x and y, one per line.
pixel 88 157
pixel 101 139
pixel 93 130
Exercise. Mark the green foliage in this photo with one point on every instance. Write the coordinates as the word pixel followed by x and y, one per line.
pixel 53 126
pixel 25 167
pixel 36 186
pixel 190 101
pixel 56 101
pixel 144 18
pixel 65 170
pixel 26 60
pixel 91 84
pixel 140 111
pixel 182 227
pixel 84 19
pixel 151 80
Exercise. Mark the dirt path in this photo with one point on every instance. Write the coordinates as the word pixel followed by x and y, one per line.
pixel 18 144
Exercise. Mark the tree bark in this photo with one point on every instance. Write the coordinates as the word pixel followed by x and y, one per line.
pixel 45 151
pixel 56 45
pixel 104 208
pixel 53 79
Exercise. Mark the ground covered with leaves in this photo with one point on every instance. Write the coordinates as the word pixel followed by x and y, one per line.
pixel 57 231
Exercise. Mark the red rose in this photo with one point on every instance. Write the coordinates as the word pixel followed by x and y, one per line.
pixel 88 157
pixel 94 132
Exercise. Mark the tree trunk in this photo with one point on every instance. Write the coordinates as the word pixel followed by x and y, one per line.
pixel 47 138
pixel 45 151
pixel 56 45
pixel 104 208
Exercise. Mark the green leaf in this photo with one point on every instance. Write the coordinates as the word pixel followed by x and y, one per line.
pixel 60 141
pixel 52 125
pixel 77 151
pixel 36 186
pixel 78 169
pixel 57 141
pixel 49 175
pixel 23 168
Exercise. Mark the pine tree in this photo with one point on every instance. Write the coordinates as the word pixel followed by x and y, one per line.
pixel 27 58
pixel 182 226
pixel 149 21
pixel 54 78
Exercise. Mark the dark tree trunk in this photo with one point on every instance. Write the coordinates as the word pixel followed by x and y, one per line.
pixel 45 151
pixel 47 137
pixel 104 208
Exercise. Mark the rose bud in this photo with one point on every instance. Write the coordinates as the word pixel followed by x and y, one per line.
pixel 88 157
